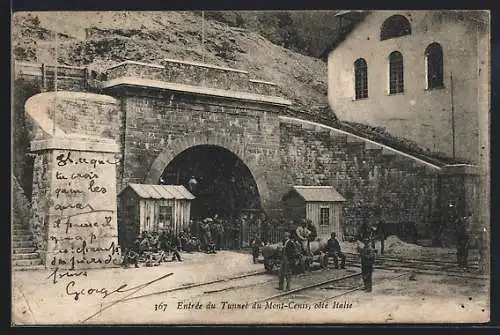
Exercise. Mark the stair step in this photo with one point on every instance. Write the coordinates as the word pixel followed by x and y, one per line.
pixel 29 268
pixel 20 231
pixel 26 262
pixel 23 244
pixel 20 250
pixel 31 255
pixel 27 237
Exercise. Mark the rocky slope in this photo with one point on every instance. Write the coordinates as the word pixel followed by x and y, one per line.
pixel 100 39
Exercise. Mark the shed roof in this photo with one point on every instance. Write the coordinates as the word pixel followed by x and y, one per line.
pixel 163 192
pixel 317 193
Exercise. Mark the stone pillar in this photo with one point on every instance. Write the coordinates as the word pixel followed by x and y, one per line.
pixel 459 186
pixel 484 110
pixel 74 217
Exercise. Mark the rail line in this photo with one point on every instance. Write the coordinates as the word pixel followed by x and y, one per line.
pixel 388 269
pixel 415 266
pixel 420 266
pixel 187 287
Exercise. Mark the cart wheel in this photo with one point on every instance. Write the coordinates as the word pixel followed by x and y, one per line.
pixel 323 261
pixel 267 265
pixel 302 266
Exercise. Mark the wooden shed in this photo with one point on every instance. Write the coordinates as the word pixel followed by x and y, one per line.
pixel 321 204
pixel 150 208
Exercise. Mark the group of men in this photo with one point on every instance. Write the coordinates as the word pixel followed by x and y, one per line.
pixel 306 232
pixel 215 233
pixel 151 247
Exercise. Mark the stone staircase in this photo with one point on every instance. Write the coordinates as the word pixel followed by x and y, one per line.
pixel 24 252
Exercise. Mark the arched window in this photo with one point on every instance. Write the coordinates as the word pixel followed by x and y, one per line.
pixel 396 79
pixel 395 26
pixel 361 78
pixel 434 62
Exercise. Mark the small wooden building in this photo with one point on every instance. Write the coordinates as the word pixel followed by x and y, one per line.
pixel 151 208
pixel 321 204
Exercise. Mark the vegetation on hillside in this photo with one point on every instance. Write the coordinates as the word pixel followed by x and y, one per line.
pixel 102 39
pixel 305 32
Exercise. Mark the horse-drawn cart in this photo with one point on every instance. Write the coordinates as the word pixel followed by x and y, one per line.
pixel 272 256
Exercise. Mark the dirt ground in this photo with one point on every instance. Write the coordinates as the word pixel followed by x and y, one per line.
pixel 429 298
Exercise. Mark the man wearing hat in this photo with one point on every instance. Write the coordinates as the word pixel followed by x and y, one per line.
pixel 303 236
pixel 367 254
pixel 334 251
pixel 287 257
pixel 206 235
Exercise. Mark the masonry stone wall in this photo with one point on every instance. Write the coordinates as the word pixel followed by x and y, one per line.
pixel 171 122
pixel 194 74
pixel 406 193
pixel 85 113
pixel 40 200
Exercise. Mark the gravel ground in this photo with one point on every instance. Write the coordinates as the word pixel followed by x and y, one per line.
pixel 429 298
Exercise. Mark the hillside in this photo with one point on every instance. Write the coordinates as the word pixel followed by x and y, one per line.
pixel 307 32
pixel 101 39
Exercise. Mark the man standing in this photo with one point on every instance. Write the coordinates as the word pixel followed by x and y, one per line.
pixel 381 232
pixel 256 244
pixel 303 236
pixel 287 258
pixel 313 233
pixel 463 239
pixel 206 234
pixel 334 251
pixel 367 253
pixel 174 244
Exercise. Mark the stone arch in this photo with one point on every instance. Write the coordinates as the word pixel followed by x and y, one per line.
pixel 178 145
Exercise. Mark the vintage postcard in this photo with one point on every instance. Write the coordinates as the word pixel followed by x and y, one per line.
pixel 250 167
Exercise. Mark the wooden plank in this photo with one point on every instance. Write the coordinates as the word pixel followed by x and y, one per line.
pixel 142 215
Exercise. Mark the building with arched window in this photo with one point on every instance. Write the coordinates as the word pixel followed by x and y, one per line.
pixel 434 66
pixel 395 26
pixel 361 78
pixel 425 77
pixel 396 77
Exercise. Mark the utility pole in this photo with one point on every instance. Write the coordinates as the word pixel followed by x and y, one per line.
pixel 203 36
pixel 452 116
pixel 56 70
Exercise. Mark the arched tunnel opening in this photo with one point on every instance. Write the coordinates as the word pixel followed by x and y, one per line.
pixel 224 184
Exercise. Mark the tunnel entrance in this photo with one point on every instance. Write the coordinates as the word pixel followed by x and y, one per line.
pixel 220 180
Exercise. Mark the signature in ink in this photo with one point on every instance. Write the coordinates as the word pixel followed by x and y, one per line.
pixel 56 274
pixel 104 292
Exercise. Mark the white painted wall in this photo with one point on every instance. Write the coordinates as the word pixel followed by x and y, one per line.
pixel 418 114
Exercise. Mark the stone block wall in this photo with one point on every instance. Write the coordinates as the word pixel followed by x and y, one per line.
pixel 406 193
pixel 74 212
pixel 172 122
pixel 194 74
pixel 85 113
pixel 40 200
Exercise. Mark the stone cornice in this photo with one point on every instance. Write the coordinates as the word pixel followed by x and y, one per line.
pixel 78 143
pixel 157 84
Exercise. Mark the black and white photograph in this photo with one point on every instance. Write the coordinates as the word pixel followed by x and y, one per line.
pixel 210 167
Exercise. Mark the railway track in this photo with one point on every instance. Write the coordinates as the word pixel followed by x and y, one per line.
pixel 311 286
pixel 420 266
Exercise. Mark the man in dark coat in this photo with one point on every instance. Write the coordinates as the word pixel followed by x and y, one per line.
pixel 174 245
pixel 463 239
pixel 132 254
pixel 334 251
pixel 382 233
pixel 287 259
pixel 312 228
pixel 367 254
pixel 256 244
